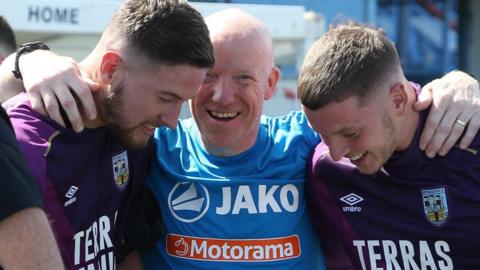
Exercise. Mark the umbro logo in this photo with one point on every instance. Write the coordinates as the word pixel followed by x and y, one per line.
pixel 351 199
pixel 71 192
pixel 70 195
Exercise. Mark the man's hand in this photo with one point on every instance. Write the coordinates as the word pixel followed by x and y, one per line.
pixel 455 106
pixel 51 79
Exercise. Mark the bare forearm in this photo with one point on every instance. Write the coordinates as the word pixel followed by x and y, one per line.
pixel 9 86
pixel 27 242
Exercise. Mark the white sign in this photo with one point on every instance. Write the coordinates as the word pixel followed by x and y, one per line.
pixel 92 16
pixel 59 16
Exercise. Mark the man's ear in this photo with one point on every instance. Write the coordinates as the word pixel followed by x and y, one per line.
pixel 272 81
pixel 398 98
pixel 111 61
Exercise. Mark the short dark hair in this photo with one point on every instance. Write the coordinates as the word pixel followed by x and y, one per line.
pixel 7 38
pixel 167 31
pixel 348 60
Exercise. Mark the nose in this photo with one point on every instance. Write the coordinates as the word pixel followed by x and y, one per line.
pixel 223 92
pixel 338 151
pixel 170 119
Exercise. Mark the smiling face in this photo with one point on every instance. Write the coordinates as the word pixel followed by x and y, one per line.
pixel 148 97
pixel 364 134
pixel 229 104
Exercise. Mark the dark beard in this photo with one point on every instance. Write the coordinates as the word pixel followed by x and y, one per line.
pixel 112 109
pixel 124 137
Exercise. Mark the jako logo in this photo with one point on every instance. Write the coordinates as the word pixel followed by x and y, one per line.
pixel 188 202
pixel 351 199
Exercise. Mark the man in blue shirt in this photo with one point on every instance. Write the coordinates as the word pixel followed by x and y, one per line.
pixel 231 188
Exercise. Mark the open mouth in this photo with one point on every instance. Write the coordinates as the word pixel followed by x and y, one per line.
pixel 357 156
pixel 223 116
pixel 149 127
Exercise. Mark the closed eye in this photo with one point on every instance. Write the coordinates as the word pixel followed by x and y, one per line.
pixel 166 98
pixel 351 134
pixel 162 99
pixel 244 77
pixel 244 80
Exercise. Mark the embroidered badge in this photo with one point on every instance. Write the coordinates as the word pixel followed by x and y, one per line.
pixel 120 169
pixel 435 205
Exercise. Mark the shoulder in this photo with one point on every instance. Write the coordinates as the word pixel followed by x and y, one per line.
pixel 17 185
pixel 322 152
pixel 177 139
pixel 322 162
pixel 291 126
pixel 32 130
pixel 293 120
pixel 184 126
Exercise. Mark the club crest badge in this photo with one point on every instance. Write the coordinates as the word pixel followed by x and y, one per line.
pixel 120 169
pixel 435 205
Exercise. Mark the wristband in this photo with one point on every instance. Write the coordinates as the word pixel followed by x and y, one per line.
pixel 26 48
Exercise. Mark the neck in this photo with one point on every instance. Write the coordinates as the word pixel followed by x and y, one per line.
pixel 88 66
pixel 229 150
pixel 410 119
pixel 226 151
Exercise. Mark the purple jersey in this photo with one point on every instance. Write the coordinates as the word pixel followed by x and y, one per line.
pixel 415 213
pixel 86 180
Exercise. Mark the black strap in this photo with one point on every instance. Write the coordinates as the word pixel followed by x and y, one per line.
pixel 26 48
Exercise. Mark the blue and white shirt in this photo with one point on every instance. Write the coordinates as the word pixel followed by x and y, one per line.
pixel 239 212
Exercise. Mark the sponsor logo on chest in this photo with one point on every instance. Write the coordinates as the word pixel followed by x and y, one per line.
pixel 188 201
pixel 233 250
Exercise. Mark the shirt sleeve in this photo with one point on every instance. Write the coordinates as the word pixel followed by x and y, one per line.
pixel 18 189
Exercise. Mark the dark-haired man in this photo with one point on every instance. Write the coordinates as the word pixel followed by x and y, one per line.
pixel 152 57
pixel 379 201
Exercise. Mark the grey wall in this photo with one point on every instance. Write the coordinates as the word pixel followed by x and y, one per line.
pixel 469 36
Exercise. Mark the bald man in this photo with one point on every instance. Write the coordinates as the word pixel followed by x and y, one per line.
pixel 229 181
